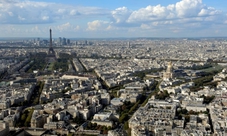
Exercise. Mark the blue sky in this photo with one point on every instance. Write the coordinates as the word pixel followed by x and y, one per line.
pixel 113 18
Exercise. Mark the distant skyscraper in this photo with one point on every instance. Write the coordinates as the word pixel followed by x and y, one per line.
pixel 59 41
pixel 63 41
pixel 68 41
pixel 128 44
pixel 86 42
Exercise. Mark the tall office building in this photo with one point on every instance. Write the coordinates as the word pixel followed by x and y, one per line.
pixel 59 41
pixel 63 41
pixel 68 41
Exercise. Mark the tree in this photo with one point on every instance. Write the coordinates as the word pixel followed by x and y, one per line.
pixel 184 111
pixel 89 125
pixel 162 95
pixel 126 125
pixel 99 127
pixel 23 117
pixel 123 107
pixel 104 128
pixel 208 99
pixel 109 127
pixel 26 123
pixel 94 125
pixel 28 119
pixel 79 119
pixel 123 118
pixel 134 107
pixel 187 118
pixel 105 131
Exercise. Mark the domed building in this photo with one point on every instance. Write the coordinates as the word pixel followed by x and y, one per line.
pixel 169 72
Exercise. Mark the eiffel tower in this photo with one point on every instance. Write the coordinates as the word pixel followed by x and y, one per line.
pixel 51 51
pixel 51 56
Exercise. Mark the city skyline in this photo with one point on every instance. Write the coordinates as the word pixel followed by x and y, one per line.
pixel 113 19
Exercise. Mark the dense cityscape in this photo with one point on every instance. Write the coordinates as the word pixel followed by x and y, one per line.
pixel 113 87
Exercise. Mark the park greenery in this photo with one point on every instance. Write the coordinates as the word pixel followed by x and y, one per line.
pixel 154 88
pixel 79 119
pixel 61 64
pixel 34 100
pixel 39 61
pixel 36 93
pixel 162 95
pixel 25 119
pixel 66 55
pixel 142 74
pixel 206 77
pixel 128 108
pixel 126 127
pixel 182 112
pixel 200 82
pixel 102 128
pixel 207 99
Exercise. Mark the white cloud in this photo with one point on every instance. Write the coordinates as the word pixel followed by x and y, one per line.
pixel 180 10
pixel 67 27
pixel 10 13
pixel 176 29
pixel 8 1
pixel 110 27
pixel 185 15
pixel 93 25
pixel 23 12
pixel 21 18
pixel 31 12
pixel 147 14
pixel 42 12
pixel 61 11
pixel 188 8
pixel 77 28
pixel 97 25
pixel 45 18
pixel 121 14
pixel 145 26
pixel 172 18
pixel 36 29
pixel 14 31
pixel 150 13
pixel 74 12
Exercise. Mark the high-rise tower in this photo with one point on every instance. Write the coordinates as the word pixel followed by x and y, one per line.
pixel 51 50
